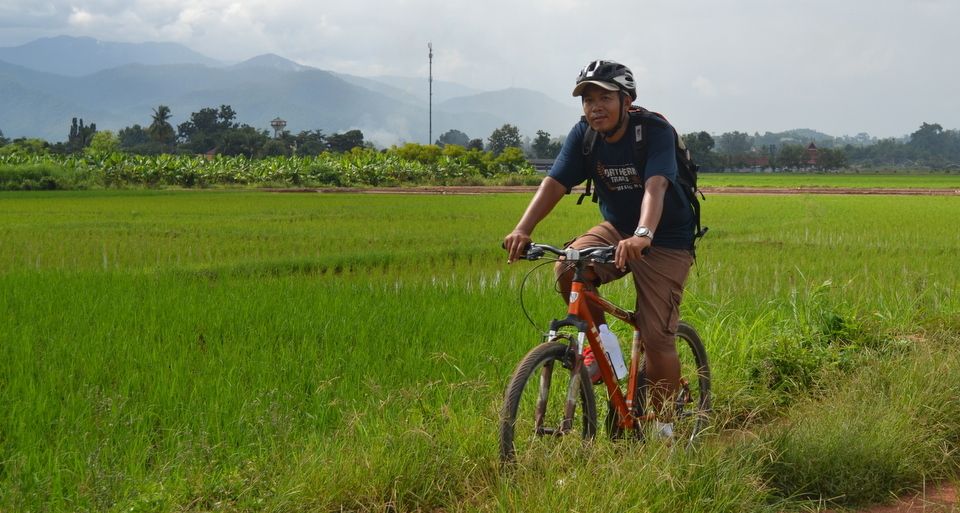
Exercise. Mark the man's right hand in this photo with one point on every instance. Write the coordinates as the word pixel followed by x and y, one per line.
pixel 516 245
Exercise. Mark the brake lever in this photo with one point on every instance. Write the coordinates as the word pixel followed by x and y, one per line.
pixel 533 253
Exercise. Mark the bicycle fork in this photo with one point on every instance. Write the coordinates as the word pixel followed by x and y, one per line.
pixel 570 398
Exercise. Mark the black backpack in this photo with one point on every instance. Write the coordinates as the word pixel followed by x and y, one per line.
pixel 687 169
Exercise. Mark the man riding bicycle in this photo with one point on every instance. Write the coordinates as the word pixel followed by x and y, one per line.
pixel 645 217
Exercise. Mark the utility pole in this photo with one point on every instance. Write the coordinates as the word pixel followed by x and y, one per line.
pixel 430 132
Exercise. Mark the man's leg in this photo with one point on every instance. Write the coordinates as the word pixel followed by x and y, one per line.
pixel 659 277
pixel 604 234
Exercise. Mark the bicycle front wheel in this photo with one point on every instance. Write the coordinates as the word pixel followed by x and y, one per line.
pixel 546 403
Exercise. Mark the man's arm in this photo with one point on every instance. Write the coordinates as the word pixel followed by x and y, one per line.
pixel 651 210
pixel 547 197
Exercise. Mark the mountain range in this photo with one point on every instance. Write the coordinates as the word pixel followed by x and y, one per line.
pixel 47 82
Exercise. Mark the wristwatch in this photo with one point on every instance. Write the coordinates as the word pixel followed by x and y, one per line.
pixel 643 231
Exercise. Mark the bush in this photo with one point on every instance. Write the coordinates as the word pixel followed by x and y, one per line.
pixel 34 177
pixel 408 165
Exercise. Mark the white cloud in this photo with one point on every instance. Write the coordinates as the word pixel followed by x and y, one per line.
pixel 81 19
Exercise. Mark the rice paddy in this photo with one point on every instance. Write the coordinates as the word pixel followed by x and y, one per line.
pixel 242 350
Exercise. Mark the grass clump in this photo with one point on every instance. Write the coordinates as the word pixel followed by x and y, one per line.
pixel 882 429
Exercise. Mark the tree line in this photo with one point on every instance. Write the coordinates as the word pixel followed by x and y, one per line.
pixel 930 146
pixel 216 131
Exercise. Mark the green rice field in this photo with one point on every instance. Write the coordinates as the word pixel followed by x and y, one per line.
pixel 254 351
pixel 857 179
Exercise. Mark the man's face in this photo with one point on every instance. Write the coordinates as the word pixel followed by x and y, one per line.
pixel 602 108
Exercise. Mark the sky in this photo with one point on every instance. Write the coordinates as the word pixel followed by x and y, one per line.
pixel 838 66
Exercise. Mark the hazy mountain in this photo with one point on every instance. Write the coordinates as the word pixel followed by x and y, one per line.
pixel 383 88
pixel 531 110
pixel 28 108
pixel 77 56
pixel 419 87
pixel 271 61
pixel 41 104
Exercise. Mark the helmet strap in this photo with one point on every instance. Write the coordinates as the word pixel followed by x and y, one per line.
pixel 621 119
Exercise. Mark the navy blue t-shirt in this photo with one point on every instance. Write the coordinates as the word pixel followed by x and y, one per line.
pixel 619 185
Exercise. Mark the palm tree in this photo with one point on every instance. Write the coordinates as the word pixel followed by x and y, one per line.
pixel 160 129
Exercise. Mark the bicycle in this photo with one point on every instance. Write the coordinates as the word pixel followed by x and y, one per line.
pixel 530 417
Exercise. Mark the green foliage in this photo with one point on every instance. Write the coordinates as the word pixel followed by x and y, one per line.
pixel 244 141
pixel 512 160
pixel 454 137
pixel 410 164
pixel 208 129
pixel 310 143
pixel 133 139
pixel 792 156
pixel 544 147
pixel 35 177
pixel 346 141
pixel 25 148
pixel 734 143
pixel 507 136
pixel 80 136
pixel 424 154
pixel 160 129
pixel 103 142
pixel 885 429
pixel 700 144
pixel 818 336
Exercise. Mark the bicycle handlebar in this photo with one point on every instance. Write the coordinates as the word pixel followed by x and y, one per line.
pixel 598 254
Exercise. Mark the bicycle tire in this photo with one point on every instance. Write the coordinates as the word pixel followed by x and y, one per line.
pixel 545 372
pixel 692 405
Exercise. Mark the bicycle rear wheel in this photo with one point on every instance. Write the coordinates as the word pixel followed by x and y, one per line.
pixel 691 407
pixel 546 402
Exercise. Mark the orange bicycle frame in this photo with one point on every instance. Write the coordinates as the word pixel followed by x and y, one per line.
pixel 580 298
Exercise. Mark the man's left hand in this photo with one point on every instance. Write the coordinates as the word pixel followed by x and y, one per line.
pixel 628 249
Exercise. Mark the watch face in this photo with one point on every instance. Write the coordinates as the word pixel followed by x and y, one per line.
pixel 642 232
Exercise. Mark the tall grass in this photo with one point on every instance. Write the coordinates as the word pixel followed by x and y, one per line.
pixel 250 351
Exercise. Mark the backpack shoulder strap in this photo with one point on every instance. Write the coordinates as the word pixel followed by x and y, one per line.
pixel 686 185
pixel 641 119
pixel 589 140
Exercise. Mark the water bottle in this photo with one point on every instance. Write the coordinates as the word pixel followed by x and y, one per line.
pixel 611 346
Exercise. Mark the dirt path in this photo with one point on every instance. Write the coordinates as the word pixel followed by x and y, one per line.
pixel 939 499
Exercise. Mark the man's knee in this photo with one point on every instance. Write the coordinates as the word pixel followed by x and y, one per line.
pixel 661 345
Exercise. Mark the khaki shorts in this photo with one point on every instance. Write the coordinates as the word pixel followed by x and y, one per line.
pixel 658 278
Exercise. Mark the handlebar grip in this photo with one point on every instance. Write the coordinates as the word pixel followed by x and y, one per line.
pixel 503 245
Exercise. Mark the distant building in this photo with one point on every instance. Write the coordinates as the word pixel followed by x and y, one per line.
pixel 813 155
pixel 541 165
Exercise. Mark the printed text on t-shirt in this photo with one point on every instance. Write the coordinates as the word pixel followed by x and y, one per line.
pixel 620 178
